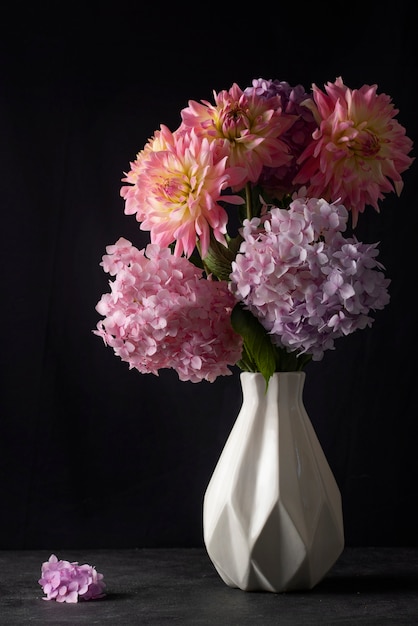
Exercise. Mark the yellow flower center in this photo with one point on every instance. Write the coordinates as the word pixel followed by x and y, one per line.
pixel 173 190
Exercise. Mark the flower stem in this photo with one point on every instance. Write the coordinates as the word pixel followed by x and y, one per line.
pixel 199 251
pixel 248 201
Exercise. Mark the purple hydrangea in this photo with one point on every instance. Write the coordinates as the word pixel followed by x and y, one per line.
pixel 69 582
pixel 305 282
pixel 278 181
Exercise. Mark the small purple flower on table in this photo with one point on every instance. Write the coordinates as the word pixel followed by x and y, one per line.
pixel 70 582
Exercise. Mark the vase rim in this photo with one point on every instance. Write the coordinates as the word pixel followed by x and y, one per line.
pixel 299 373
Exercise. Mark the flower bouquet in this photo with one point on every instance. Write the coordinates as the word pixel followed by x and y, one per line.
pixel 248 204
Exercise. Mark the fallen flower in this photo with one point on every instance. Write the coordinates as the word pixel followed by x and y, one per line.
pixel 68 582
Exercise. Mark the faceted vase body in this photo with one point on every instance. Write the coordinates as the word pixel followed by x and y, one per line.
pixel 272 512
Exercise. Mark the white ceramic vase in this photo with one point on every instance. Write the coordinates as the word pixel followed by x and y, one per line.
pixel 272 512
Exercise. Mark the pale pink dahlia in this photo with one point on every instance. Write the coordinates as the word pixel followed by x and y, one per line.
pixel 69 582
pixel 247 128
pixel 305 282
pixel 359 151
pixel 161 140
pixel 179 180
pixel 278 181
pixel 161 314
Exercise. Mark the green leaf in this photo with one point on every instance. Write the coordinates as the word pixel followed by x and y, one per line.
pixel 219 257
pixel 196 260
pixel 259 354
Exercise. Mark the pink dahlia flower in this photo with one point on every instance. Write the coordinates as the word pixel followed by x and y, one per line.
pixel 278 181
pixel 305 282
pixel 246 128
pixel 161 314
pixel 161 140
pixel 179 179
pixel 359 151
pixel 69 582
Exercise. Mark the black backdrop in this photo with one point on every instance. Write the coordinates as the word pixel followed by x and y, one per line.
pixel 95 455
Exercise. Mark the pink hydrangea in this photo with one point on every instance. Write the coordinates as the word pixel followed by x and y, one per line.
pixel 305 282
pixel 161 313
pixel 69 582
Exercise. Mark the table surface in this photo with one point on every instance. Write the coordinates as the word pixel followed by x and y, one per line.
pixel 180 586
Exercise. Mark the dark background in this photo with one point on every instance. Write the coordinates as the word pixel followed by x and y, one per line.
pixel 92 454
